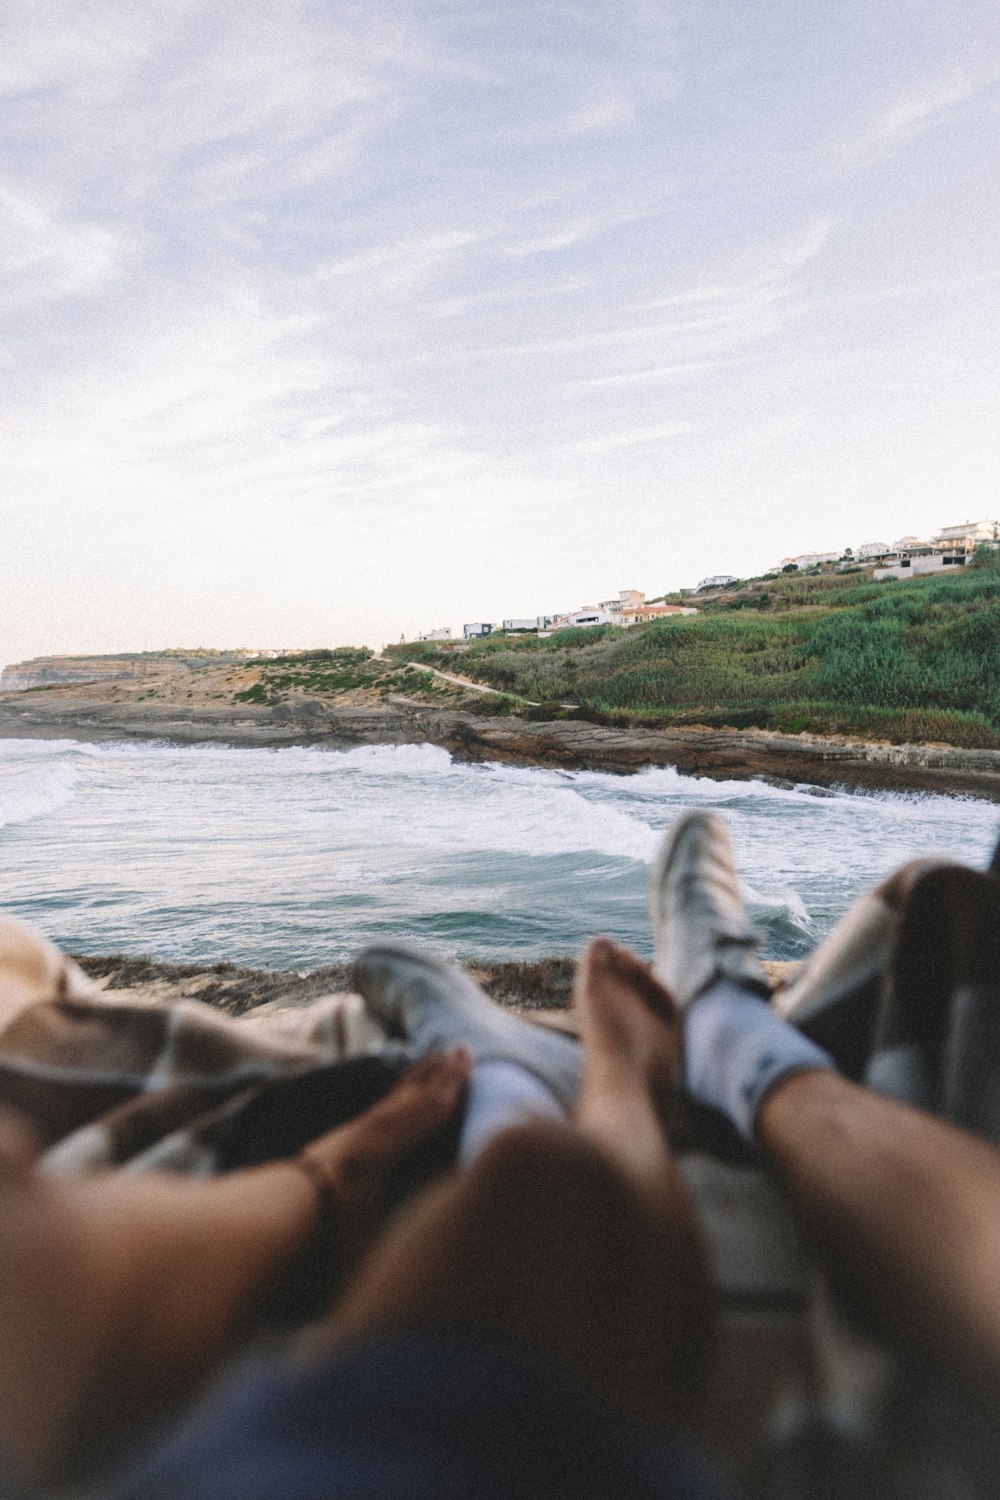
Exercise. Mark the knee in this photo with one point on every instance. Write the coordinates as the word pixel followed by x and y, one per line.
pixel 545 1161
pixel 542 1190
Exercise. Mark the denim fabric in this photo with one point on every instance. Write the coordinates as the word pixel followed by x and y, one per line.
pixel 444 1418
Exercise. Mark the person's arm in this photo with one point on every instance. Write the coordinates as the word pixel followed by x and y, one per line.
pixel 119 1294
pixel 905 1211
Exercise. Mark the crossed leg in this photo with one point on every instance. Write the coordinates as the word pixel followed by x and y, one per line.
pixel 582 1243
pixel 586 1243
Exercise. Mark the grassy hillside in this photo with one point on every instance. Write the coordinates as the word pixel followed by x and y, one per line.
pixel 900 660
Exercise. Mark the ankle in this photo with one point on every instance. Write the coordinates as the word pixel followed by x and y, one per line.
pixel 736 1050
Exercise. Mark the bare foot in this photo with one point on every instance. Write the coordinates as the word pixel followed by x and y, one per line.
pixel 631 1035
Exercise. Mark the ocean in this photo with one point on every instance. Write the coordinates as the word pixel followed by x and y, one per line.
pixel 298 857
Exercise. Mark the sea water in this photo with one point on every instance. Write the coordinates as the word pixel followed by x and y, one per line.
pixel 298 857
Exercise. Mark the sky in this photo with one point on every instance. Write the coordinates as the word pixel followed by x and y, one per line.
pixel 331 322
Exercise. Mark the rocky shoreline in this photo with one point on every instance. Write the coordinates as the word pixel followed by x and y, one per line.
pixel 541 986
pixel 570 744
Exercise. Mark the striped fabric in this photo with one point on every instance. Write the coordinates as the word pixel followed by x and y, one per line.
pixel 140 1086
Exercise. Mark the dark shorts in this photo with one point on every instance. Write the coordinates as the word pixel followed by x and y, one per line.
pixel 415 1416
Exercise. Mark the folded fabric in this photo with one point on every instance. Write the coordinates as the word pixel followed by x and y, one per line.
pixel 177 1087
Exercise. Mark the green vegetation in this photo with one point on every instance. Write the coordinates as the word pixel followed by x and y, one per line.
pixel 902 660
pixel 314 672
pixel 319 674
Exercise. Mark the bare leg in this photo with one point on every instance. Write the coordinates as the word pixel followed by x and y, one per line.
pixel 905 1210
pixel 581 1243
pixel 119 1295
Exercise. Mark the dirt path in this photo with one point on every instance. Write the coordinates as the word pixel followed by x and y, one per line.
pixel 478 687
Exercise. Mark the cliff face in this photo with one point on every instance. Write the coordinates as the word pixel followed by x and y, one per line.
pixel 44 671
pixel 203 712
pixel 191 700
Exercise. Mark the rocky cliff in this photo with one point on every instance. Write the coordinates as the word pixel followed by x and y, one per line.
pixel 205 710
pixel 52 671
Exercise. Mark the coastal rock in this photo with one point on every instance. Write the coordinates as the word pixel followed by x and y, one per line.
pixel 128 710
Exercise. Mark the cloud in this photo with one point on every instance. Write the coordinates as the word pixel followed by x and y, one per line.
pixel 912 113
pixel 634 438
pixel 660 372
pixel 58 47
pixel 605 113
pixel 458 306
pixel 400 267
pixel 916 112
pixel 562 236
pixel 51 257
pixel 711 324
pixel 612 112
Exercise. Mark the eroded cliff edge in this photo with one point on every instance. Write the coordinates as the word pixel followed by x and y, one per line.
pixel 89 712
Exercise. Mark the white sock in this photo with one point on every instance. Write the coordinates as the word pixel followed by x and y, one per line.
pixel 736 1049
pixel 502 1094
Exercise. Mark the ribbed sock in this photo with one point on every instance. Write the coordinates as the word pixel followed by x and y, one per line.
pixel 502 1094
pixel 736 1049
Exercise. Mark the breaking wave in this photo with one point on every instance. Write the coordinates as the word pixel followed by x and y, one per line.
pixel 297 856
pixel 35 792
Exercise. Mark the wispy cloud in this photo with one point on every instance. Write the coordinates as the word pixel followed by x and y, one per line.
pixel 52 257
pixel 908 114
pixel 425 271
pixel 911 114
pixel 636 437
pixel 401 267
pixel 607 112
pixel 656 373
pixel 584 227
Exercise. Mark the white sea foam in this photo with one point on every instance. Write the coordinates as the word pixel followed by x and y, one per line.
pixel 37 791
pixel 294 856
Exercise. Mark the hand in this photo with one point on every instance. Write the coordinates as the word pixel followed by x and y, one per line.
pixel 358 1163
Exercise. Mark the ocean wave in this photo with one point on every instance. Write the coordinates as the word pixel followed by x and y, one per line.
pixel 783 920
pixel 17 750
pixel 289 855
pixel 36 792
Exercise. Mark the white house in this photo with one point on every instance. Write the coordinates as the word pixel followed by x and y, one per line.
pixel 581 619
pixel 951 547
pixel 915 566
pixel 442 633
pixel 868 550
pixel 967 536
pixel 911 543
pixel 529 622
pixel 478 628
pixel 642 614
pixel 957 544
pixel 715 581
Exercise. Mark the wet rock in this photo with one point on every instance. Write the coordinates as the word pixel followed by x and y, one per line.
pixel 566 744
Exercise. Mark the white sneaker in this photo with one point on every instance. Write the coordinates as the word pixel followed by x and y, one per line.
pixel 435 1005
pixel 701 929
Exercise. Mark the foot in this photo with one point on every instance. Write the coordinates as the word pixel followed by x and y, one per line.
pixel 631 1032
pixel 701 928
pixel 435 1006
